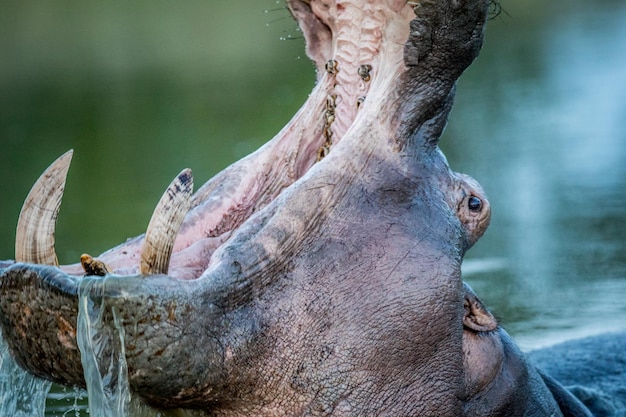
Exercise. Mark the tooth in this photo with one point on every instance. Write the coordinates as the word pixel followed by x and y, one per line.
pixel 164 224
pixel 34 236
pixel 93 266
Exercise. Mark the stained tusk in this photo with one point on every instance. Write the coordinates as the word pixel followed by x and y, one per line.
pixel 164 224
pixel 34 237
pixel 93 266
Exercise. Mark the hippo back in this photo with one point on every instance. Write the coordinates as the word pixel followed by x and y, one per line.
pixel 593 369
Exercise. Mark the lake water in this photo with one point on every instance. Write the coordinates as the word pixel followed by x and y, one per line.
pixel 142 90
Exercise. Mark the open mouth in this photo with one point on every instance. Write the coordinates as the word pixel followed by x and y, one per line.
pixel 358 52
pixel 352 188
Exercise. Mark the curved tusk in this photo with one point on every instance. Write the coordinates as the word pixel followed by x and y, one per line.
pixel 34 236
pixel 164 224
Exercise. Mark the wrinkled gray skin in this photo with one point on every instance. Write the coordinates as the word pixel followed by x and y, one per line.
pixel 338 292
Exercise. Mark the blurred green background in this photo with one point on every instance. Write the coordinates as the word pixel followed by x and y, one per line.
pixel 143 89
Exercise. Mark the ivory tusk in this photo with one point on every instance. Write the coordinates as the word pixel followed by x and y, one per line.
pixel 34 236
pixel 164 225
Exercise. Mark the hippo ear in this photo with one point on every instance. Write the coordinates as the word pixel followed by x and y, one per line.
pixel 477 317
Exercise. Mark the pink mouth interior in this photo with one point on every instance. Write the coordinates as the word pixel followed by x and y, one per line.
pixel 356 47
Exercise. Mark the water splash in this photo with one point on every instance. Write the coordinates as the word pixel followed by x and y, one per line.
pixel 102 354
pixel 21 394
pixel 66 402
pixel 100 337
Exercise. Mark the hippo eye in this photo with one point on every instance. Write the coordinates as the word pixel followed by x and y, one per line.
pixel 474 204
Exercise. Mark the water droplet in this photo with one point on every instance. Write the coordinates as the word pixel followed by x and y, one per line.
pixel 23 394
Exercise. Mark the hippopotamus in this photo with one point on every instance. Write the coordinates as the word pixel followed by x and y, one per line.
pixel 321 274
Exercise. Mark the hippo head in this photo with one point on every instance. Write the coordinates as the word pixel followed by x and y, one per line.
pixel 318 275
